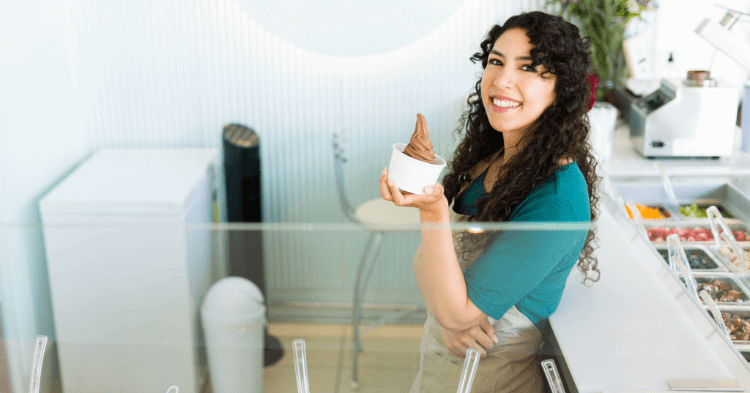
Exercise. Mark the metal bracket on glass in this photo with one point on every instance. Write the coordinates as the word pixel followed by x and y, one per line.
pixel 36 366
pixel 667 184
pixel 471 362
pixel 640 227
pixel 715 311
pixel 300 366
pixel 553 377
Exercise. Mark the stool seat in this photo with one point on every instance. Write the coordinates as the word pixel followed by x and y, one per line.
pixel 384 215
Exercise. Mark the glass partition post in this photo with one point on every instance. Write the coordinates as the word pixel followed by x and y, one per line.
pixel 553 377
pixel 36 366
pixel 471 362
pixel 300 366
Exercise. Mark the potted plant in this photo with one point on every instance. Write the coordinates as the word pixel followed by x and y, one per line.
pixel 603 22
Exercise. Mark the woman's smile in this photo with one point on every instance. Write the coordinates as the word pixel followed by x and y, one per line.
pixel 502 104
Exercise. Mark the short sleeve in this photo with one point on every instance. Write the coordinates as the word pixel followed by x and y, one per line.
pixel 519 260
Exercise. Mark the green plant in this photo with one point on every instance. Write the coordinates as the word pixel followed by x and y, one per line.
pixel 603 22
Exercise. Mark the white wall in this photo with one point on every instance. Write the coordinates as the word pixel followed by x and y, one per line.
pixel 40 140
pixel 173 73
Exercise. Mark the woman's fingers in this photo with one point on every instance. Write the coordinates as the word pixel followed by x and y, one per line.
pixel 384 188
pixel 481 337
pixel 469 342
pixel 398 198
pixel 436 190
pixel 488 329
pixel 457 351
pixel 390 192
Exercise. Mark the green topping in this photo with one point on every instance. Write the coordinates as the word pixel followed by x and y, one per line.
pixel 694 211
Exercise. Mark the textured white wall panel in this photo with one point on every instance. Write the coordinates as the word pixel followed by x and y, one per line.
pixel 172 73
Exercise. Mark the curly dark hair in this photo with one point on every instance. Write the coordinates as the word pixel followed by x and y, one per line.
pixel 561 131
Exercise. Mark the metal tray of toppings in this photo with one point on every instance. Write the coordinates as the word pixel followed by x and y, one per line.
pixel 737 321
pixel 698 210
pixel 652 212
pixel 729 257
pixel 699 257
pixel 690 232
pixel 730 200
pixel 724 289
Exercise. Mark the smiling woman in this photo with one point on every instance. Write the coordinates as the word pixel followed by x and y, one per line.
pixel 524 158
pixel 350 28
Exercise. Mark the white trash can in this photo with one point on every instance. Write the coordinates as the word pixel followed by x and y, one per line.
pixel 233 317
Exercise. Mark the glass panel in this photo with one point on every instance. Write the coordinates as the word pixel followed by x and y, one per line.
pixel 139 303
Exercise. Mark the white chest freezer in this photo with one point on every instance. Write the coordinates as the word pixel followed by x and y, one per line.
pixel 128 268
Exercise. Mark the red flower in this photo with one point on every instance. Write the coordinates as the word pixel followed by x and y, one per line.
pixel 592 82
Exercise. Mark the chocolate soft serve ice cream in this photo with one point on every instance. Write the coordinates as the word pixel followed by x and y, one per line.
pixel 419 146
pixel 415 166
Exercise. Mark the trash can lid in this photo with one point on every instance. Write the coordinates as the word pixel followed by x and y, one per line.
pixel 233 297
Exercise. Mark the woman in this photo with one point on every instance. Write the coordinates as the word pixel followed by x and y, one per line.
pixel 524 157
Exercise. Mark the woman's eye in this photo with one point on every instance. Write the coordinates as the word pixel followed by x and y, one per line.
pixel 495 62
pixel 528 68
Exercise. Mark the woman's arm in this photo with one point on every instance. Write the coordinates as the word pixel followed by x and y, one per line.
pixel 442 274
pixel 439 276
pixel 420 279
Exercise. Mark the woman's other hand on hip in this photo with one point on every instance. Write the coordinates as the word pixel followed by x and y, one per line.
pixel 480 337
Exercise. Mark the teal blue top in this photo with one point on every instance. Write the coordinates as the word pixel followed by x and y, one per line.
pixel 528 269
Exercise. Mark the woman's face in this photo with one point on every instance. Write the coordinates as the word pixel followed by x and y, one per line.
pixel 513 93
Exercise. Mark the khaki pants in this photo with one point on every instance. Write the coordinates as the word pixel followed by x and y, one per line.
pixel 511 366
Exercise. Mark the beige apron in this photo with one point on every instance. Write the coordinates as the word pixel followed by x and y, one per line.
pixel 510 366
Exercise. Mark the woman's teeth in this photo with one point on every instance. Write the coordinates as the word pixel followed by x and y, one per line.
pixel 505 103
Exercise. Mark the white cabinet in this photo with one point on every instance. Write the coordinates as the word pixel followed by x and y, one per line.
pixel 129 263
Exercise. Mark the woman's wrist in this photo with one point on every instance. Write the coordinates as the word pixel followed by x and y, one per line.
pixel 437 212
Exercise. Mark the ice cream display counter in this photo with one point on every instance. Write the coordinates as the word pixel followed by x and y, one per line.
pixel 639 328
pixel 644 325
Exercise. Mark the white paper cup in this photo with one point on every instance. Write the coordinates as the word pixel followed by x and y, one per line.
pixel 410 174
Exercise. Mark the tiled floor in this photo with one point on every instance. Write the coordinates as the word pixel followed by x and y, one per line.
pixel 388 363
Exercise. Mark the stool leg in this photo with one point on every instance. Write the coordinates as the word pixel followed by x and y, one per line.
pixel 366 267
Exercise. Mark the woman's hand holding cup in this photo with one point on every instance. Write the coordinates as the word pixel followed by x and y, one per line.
pixel 431 202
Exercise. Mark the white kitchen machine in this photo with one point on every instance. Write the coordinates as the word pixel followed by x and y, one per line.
pixel 693 117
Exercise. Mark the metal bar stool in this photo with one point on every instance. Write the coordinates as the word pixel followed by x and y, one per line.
pixel 379 216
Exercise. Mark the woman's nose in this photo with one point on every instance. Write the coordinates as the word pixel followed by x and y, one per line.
pixel 505 78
